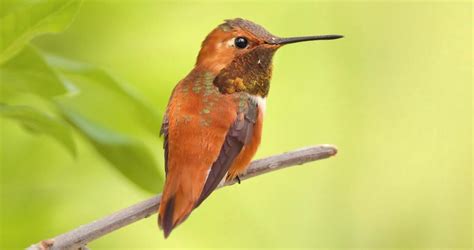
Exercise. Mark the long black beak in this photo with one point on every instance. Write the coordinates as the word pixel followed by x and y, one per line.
pixel 282 41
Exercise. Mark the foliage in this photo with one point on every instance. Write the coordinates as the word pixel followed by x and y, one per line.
pixel 83 97
pixel 39 122
pixel 28 20
pixel 394 95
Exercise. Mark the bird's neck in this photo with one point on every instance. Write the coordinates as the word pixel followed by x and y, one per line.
pixel 249 73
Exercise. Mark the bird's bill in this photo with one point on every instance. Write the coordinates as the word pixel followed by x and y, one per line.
pixel 288 40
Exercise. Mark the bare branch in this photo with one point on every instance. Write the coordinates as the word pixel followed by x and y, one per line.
pixel 79 237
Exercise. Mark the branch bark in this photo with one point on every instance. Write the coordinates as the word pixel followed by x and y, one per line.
pixel 79 237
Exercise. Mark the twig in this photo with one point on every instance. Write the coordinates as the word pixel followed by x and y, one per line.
pixel 79 237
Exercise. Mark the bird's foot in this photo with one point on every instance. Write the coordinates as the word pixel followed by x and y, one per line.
pixel 238 179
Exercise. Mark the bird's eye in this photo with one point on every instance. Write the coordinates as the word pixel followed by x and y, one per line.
pixel 241 42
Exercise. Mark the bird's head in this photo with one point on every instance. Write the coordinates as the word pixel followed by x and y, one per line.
pixel 239 52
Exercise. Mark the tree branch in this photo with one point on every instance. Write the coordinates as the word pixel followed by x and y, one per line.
pixel 79 237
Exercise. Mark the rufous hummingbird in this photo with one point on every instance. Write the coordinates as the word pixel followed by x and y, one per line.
pixel 213 123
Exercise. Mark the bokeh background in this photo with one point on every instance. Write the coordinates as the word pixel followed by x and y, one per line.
pixel 395 96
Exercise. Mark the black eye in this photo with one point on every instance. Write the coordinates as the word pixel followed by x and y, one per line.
pixel 241 42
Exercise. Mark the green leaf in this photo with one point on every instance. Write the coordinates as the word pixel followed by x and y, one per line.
pixel 40 122
pixel 109 114
pixel 130 156
pixel 32 18
pixel 28 72
pixel 113 117
pixel 9 6
pixel 107 96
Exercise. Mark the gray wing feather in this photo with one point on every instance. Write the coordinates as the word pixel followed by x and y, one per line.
pixel 239 134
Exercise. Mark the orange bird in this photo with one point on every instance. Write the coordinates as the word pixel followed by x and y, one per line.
pixel 213 123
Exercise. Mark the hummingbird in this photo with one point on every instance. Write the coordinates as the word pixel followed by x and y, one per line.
pixel 212 126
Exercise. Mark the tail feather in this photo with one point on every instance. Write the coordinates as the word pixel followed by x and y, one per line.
pixel 165 219
pixel 173 210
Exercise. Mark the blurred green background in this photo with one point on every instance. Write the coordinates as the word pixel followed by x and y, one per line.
pixel 395 96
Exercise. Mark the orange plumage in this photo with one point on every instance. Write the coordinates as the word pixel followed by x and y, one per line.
pixel 213 123
pixel 194 141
